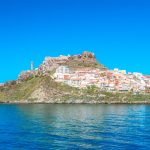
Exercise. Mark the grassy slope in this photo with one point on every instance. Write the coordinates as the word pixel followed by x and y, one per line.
pixel 19 91
pixel 79 64
pixel 24 90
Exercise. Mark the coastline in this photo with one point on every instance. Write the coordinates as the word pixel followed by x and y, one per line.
pixel 75 102
pixel 44 90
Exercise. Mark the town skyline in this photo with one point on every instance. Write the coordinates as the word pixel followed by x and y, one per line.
pixel 116 31
pixel 83 71
pixel 33 66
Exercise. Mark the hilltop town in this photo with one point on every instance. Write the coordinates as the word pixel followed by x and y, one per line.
pixel 79 71
pixel 77 75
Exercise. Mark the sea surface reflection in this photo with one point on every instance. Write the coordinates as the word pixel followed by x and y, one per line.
pixel 74 126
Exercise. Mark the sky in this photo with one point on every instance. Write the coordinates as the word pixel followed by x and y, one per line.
pixel 117 31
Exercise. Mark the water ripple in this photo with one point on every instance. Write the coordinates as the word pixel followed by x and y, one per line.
pixel 51 126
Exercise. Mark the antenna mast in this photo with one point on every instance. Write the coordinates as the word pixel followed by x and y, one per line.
pixel 32 66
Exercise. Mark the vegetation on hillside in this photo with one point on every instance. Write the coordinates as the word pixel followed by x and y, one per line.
pixel 62 93
pixel 11 92
pixel 23 90
pixel 80 64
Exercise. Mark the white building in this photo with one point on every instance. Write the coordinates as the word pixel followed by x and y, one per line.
pixel 61 73
pixel 63 70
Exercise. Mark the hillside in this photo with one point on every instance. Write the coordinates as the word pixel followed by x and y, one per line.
pixel 40 85
pixel 45 90
pixel 38 89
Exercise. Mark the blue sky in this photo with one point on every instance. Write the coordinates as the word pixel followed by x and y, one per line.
pixel 117 31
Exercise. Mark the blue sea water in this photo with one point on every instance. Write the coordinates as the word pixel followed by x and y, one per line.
pixel 74 126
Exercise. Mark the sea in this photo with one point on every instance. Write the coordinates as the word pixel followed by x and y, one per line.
pixel 74 126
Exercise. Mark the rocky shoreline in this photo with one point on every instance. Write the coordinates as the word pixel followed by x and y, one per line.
pixel 73 102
